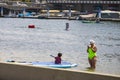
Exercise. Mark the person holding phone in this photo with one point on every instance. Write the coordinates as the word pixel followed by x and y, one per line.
pixel 92 55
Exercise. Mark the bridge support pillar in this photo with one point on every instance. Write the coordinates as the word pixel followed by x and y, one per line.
pixel 24 11
pixel 48 14
pixel 1 11
pixel 69 12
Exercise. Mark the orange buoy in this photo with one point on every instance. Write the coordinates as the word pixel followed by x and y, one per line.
pixel 31 26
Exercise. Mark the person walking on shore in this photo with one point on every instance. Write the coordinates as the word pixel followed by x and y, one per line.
pixel 92 56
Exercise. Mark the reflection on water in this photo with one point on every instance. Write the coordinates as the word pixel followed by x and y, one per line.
pixel 20 43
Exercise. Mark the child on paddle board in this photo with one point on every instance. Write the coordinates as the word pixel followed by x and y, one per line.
pixel 57 58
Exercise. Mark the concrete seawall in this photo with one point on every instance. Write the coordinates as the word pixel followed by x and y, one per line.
pixel 11 71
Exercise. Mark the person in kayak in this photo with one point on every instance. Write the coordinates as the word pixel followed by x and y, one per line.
pixel 92 56
pixel 57 58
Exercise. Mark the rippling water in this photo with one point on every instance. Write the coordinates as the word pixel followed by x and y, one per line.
pixel 20 43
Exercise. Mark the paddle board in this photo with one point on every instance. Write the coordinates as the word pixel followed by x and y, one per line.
pixel 46 64
pixel 52 64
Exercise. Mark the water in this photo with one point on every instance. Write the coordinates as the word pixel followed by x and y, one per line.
pixel 20 43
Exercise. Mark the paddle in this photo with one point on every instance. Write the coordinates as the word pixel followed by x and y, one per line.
pixel 52 56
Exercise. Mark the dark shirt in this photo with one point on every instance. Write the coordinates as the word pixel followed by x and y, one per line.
pixel 57 60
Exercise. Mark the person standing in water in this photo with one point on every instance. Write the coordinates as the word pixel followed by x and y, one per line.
pixel 67 27
pixel 92 56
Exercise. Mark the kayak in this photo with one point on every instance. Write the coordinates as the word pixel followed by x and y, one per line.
pixel 46 64
pixel 89 21
pixel 52 64
pixel 86 21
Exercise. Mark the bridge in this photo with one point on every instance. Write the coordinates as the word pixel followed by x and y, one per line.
pixel 78 5
pixel 19 6
pixel 39 6
pixel 83 1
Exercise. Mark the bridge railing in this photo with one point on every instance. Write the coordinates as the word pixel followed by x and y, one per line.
pixel 84 1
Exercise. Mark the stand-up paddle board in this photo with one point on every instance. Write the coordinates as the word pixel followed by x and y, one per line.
pixel 46 64
pixel 52 64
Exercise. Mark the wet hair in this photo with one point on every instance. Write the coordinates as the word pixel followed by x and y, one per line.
pixel 59 54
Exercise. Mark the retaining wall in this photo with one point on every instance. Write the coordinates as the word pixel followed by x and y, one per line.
pixel 12 71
